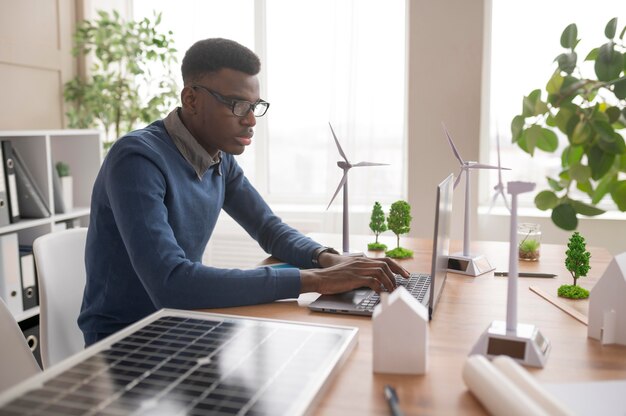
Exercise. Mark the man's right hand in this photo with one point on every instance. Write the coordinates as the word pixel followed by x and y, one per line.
pixel 377 274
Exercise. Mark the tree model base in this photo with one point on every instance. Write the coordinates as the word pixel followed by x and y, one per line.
pixel 376 247
pixel 573 292
pixel 399 253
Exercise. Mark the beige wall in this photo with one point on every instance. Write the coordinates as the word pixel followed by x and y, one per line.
pixel 445 64
pixel 35 61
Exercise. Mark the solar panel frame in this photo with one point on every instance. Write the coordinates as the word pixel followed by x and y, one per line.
pixel 140 351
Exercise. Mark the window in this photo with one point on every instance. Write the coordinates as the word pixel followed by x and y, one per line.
pixel 333 61
pixel 524 42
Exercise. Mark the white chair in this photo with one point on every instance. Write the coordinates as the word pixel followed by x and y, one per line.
pixel 16 360
pixel 60 260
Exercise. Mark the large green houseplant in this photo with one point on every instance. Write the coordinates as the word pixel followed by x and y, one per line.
pixel 121 87
pixel 591 113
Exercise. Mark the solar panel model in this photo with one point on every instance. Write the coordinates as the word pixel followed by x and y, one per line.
pixel 191 363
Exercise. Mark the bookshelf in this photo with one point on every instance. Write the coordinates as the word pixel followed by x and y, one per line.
pixel 40 151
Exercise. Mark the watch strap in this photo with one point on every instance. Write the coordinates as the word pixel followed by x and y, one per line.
pixel 315 260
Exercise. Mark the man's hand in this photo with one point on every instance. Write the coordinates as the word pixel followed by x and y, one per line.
pixel 344 273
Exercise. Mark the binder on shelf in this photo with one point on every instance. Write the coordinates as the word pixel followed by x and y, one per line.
pixel 31 201
pixel 30 293
pixel 30 329
pixel 11 182
pixel 10 281
pixel 4 202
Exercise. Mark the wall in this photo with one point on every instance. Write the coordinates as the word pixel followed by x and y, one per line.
pixel 445 46
pixel 35 61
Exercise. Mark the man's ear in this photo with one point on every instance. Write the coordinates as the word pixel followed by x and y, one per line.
pixel 188 99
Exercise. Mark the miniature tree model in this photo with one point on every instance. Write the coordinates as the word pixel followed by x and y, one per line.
pixel 577 263
pixel 378 226
pixel 399 221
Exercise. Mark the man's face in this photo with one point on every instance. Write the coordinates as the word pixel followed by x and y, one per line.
pixel 211 121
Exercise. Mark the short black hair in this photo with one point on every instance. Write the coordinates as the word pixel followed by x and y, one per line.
pixel 213 54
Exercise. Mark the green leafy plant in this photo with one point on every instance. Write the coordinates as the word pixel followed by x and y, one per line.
pixel 63 169
pixel 378 226
pixel 399 221
pixel 120 89
pixel 590 112
pixel 577 263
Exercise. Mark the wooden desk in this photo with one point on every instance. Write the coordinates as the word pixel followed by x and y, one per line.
pixel 467 307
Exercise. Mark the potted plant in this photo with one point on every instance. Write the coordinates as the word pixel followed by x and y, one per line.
pixel 399 221
pixel 121 88
pixel 67 185
pixel 590 112
pixel 577 263
pixel 378 226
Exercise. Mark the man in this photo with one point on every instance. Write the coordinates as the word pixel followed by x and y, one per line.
pixel 158 196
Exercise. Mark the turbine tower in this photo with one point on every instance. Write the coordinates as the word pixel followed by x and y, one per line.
pixel 467 263
pixel 345 165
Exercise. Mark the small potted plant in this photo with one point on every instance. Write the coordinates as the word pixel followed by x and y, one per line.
pixel 378 226
pixel 577 263
pixel 67 185
pixel 399 221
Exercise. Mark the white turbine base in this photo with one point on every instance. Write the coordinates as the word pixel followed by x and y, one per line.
pixel 526 345
pixel 472 265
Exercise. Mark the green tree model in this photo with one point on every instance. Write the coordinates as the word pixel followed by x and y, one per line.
pixel 399 221
pixel 577 263
pixel 378 226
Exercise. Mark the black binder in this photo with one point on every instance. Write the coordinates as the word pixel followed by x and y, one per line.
pixel 30 329
pixel 11 181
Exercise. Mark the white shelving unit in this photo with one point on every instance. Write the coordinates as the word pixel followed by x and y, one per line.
pixel 41 150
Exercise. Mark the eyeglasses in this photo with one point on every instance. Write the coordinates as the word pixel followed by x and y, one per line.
pixel 240 108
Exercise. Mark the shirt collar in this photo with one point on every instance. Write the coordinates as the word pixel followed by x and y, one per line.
pixel 199 159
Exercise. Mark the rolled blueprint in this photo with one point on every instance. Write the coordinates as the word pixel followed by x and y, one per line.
pixel 498 394
pixel 525 382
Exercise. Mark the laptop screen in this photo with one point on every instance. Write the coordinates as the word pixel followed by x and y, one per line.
pixel 441 240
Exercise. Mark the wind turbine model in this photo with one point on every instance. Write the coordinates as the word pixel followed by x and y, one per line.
pixel 346 166
pixel 499 188
pixel 522 342
pixel 467 263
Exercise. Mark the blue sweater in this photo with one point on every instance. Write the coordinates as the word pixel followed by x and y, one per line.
pixel 151 218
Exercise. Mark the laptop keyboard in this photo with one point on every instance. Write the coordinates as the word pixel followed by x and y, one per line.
pixel 417 285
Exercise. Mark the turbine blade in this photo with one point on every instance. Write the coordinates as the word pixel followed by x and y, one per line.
pixel 493 202
pixel 458 178
pixel 344 179
pixel 338 145
pixel 483 166
pixel 456 153
pixel 369 164
pixel 506 201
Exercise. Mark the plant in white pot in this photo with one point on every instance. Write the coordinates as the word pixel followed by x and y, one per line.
pixel 67 185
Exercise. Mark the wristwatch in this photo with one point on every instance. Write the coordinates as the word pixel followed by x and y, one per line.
pixel 315 260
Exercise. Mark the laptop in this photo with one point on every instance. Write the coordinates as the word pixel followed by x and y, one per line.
pixel 426 288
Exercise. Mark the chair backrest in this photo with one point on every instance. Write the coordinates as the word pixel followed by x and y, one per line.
pixel 16 360
pixel 60 260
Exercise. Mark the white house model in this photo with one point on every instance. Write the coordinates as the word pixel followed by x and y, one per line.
pixel 607 309
pixel 400 334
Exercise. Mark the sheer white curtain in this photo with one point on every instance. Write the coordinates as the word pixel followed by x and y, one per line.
pixel 338 61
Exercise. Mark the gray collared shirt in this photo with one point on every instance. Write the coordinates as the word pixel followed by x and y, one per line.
pixel 189 147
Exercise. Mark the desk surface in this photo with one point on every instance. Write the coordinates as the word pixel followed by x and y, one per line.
pixel 467 306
